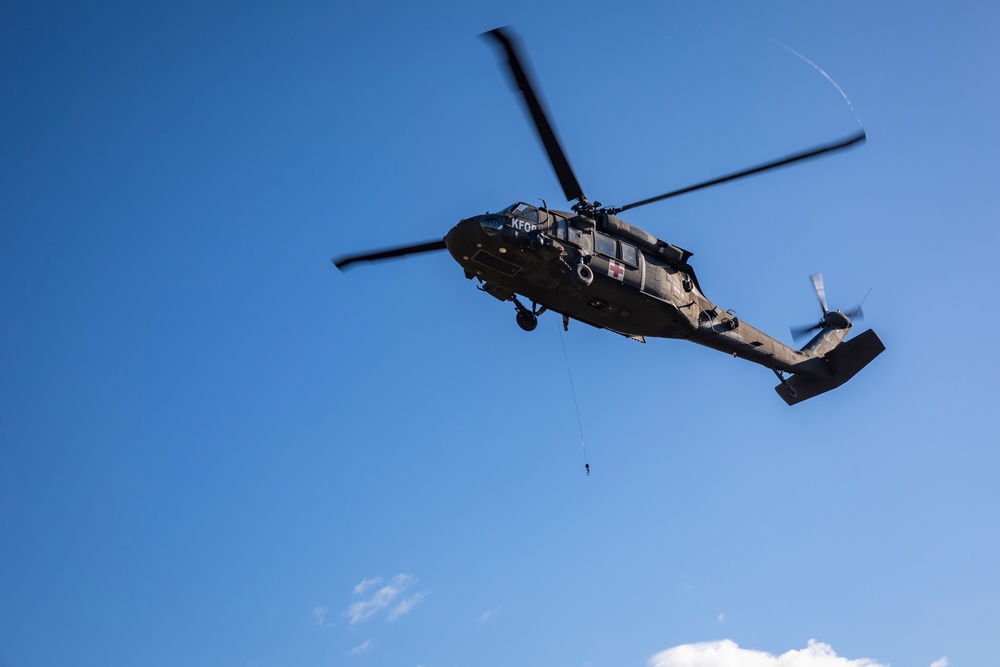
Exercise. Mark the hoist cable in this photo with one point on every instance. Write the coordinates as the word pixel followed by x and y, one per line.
pixel 576 404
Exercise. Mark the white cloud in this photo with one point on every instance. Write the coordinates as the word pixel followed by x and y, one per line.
pixel 319 614
pixel 364 646
pixel 727 653
pixel 940 662
pixel 365 584
pixel 720 619
pixel 383 598
pixel 405 606
pixel 490 614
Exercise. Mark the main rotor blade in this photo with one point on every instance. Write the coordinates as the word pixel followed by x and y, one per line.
pixel 774 164
pixel 389 253
pixel 567 179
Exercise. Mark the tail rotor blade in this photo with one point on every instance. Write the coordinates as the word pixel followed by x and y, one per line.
pixel 800 332
pixel 855 314
pixel 567 179
pixel 399 251
pixel 817 280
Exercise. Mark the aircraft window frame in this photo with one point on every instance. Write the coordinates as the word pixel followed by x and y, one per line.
pixel 628 248
pixel 561 228
pixel 526 212
pixel 574 236
pixel 600 240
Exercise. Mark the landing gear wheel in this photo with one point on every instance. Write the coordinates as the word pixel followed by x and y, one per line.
pixel 527 320
pixel 583 274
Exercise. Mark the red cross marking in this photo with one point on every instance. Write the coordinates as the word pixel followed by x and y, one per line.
pixel 616 270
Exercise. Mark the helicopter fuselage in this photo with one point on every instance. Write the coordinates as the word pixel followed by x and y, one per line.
pixel 612 275
pixel 591 266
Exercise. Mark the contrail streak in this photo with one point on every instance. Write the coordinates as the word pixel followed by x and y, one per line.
pixel 820 70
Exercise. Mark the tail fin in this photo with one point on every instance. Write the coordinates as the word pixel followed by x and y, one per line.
pixel 844 362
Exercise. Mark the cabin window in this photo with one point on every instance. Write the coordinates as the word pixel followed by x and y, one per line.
pixel 629 254
pixel 604 244
pixel 560 228
pixel 575 236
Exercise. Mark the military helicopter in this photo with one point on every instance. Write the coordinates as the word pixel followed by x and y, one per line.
pixel 587 264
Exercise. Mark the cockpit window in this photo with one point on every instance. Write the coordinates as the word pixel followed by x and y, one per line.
pixel 525 212
pixel 522 211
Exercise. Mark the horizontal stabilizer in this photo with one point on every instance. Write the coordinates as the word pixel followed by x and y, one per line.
pixel 844 362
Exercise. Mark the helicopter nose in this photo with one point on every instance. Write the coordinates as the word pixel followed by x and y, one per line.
pixel 470 235
pixel 463 238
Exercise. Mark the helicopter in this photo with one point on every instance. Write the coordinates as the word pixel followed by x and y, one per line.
pixel 589 265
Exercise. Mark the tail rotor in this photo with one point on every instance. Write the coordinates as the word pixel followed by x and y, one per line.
pixel 834 319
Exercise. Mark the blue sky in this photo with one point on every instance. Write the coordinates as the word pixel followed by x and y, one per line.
pixel 215 449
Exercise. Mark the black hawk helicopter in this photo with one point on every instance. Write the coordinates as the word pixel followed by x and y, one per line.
pixel 589 265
